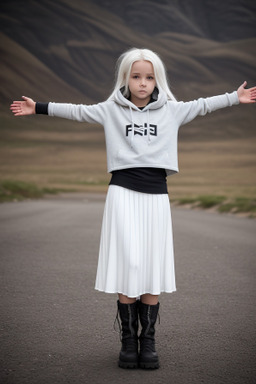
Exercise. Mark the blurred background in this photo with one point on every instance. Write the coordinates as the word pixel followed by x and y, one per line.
pixel 66 52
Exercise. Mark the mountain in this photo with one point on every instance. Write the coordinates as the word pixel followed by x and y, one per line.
pixel 66 51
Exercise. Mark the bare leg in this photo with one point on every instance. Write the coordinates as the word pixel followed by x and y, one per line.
pixel 125 299
pixel 149 299
pixel 146 299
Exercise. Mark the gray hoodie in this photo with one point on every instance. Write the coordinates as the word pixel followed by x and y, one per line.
pixel 142 138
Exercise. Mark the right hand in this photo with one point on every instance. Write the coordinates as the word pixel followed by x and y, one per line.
pixel 23 108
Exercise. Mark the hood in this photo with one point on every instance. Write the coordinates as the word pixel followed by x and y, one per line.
pixel 159 98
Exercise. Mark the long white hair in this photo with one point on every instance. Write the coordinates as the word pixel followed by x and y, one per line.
pixel 124 65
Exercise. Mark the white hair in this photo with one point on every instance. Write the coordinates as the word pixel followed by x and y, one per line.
pixel 124 65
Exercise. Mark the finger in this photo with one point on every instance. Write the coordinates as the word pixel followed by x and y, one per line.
pixel 16 107
pixel 17 102
pixel 17 113
pixel 244 84
pixel 16 110
pixel 25 98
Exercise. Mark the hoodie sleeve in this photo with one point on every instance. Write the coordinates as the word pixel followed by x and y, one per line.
pixel 79 112
pixel 187 111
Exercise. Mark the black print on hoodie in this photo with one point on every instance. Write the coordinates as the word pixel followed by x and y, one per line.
pixel 142 131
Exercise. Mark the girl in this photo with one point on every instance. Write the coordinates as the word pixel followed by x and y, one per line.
pixel 141 119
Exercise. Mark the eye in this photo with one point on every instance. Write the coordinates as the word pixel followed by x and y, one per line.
pixel 150 78
pixel 135 77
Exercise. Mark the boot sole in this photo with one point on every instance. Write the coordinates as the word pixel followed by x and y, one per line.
pixel 149 365
pixel 126 365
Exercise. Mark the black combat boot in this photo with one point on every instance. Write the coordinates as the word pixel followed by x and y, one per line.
pixel 128 357
pixel 148 358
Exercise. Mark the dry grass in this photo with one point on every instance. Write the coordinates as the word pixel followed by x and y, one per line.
pixel 225 168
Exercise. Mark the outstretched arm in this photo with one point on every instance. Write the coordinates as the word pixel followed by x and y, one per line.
pixel 95 113
pixel 23 108
pixel 246 96
pixel 187 111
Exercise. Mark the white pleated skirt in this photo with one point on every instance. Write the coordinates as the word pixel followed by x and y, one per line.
pixel 136 246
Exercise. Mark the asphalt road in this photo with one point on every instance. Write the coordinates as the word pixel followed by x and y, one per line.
pixel 55 328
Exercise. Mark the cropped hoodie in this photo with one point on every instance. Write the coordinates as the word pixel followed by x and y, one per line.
pixel 142 138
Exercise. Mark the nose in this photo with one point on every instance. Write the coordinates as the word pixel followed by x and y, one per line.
pixel 142 82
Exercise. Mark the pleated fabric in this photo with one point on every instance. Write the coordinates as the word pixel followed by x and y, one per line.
pixel 136 246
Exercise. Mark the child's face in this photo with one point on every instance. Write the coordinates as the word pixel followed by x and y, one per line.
pixel 141 82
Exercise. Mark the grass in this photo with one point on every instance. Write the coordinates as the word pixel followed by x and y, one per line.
pixel 240 204
pixel 222 204
pixel 207 201
pixel 11 190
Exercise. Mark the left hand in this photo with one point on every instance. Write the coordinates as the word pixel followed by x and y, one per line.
pixel 246 96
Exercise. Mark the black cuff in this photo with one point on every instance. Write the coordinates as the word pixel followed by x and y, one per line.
pixel 42 108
